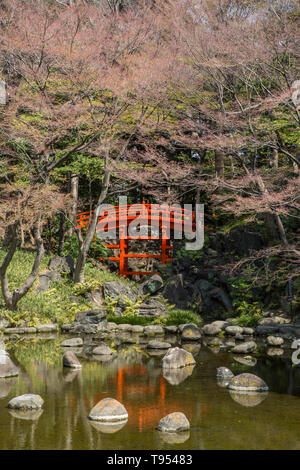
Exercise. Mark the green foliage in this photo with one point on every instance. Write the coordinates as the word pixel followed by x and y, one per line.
pixel 249 314
pixel 177 317
pixel 53 305
pixel 131 306
pixel 110 305
pixel 245 305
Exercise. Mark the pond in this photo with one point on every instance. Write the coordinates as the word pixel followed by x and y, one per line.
pixel 218 418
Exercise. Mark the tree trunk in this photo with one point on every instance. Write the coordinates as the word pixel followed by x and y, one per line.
pixel 275 158
pixel 84 245
pixel 61 233
pixel 280 227
pixel 74 183
pixel 11 298
pixel 219 164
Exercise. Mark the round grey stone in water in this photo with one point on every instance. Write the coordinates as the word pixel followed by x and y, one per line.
pixel 234 330
pixel 110 410
pixel 26 402
pixel 224 372
pixel 172 329
pixel 153 330
pixel 174 422
pixel 176 358
pixel 70 360
pixel 7 367
pixel 211 330
pixel 247 383
pixel 191 332
pixel 72 342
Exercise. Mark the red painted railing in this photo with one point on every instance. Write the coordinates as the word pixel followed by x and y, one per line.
pixel 120 217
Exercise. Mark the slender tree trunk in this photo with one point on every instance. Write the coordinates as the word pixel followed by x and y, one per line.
pixel 84 245
pixel 61 233
pixel 11 298
pixel 275 158
pixel 219 164
pixel 280 227
pixel 74 183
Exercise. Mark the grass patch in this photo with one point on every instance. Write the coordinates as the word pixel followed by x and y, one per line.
pixel 53 305
pixel 178 317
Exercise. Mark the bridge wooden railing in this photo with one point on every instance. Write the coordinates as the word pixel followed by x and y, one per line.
pixel 119 217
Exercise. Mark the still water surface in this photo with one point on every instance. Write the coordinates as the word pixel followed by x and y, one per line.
pixel 219 420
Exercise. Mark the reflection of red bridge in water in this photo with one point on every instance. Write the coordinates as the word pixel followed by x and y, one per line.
pixel 166 218
pixel 148 401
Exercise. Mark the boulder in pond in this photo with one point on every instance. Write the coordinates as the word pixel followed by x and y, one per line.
pixel 7 367
pixel 172 329
pixel 176 358
pixel 47 328
pixel 174 422
pixel 103 350
pixel 28 401
pixel 158 345
pixel 191 332
pixel 234 330
pixel 211 330
pixel 152 330
pixel 245 348
pixel 92 316
pixel 109 410
pixel 248 330
pixel 224 372
pixel 248 383
pixel 70 360
pixel 221 324
pixel 139 329
pixel 72 342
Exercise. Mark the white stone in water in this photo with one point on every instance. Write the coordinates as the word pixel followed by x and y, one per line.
pixel 174 422
pixel 110 410
pixel 103 349
pixel 26 402
pixel 224 372
pixel 2 92
pixel 176 358
pixel 248 383
pixel 70 360
pixel 68 343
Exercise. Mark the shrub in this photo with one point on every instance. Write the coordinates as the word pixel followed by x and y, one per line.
pixel 177 317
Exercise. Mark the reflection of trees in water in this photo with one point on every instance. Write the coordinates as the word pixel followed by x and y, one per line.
pixel 136 380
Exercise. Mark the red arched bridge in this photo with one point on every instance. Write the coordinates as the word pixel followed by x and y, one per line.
pixel 167 219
